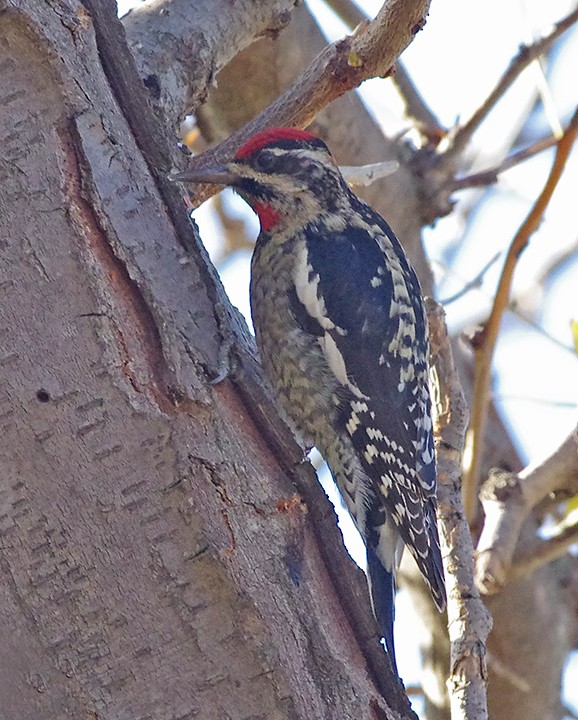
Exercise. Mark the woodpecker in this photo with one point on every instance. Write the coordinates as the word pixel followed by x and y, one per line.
pixel 342 334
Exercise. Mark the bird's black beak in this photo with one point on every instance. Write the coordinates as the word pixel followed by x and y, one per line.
pixel 212 174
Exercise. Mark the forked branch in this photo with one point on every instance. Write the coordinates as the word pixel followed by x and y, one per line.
pixel 508 499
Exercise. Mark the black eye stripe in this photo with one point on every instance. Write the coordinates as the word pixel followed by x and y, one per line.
pixel 266 161
pixel 286 164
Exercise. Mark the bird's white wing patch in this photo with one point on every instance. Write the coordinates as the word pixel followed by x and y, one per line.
pixel 334 359
pixel 336 363
pixel 307 288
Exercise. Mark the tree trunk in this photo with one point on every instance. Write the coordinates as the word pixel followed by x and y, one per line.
pixel 156 559
pixel 164 551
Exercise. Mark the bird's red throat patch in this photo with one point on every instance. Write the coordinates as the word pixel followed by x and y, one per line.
pixel 268 216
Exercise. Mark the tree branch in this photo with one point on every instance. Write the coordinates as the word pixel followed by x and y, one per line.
pixel 475 282
pixel 490 176
pixel 544 552
pixel 485 341
pixel 508 500
pixel 461 136
pixel 342 66
pixel 348 12
pixel 469 622
pixel 415 106
pixel 513 678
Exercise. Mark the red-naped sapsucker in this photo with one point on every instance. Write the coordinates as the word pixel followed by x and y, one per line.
pixel 343 338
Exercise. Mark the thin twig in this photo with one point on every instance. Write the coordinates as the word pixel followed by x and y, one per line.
pixel 513 307
pixel 485 341
pixel 567 710
pixel 550 110
pixel 555 263
pixel 469 622
pixel 473 283
pixel 490 176
pixel 416 107
pixel 514 304
pixel 348 12
pixel 461 136
pixel 414 690
pixel 546 402
pixel 508 674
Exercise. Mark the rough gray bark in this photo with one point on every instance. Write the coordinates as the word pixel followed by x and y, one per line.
pixel 155 559
pixel 179 47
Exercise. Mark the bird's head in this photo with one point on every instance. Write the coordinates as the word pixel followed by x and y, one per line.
pixel 282 173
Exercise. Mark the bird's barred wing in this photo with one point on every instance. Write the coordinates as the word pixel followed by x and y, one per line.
pixel 370 322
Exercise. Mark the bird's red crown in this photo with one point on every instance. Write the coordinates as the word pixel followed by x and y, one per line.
pixel 266 137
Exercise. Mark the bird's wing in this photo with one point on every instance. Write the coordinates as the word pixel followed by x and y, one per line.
pixel 358 290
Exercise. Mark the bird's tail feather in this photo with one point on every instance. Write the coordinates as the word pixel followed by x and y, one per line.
pixel 382 593
pixel 431 565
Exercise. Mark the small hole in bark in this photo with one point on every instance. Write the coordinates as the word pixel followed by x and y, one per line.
pixel 43 396
pixel 152 84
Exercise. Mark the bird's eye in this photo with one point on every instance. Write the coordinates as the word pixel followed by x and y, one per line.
pixel 266 162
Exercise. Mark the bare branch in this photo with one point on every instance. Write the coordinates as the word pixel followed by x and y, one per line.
pixel 347 11
pixel 415 105
pixel 342 66
pixel 507 673
pixel 508 499
pixel 544 552
pixel 567 711
pixel 475 282
pixel 413 690
pixel 555 263
pixel 490 176
pixel 469 622
pixel 461 136
pixel 484 342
